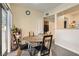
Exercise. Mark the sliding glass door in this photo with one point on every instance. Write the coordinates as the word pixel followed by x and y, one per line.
pixel 0 31
pixel 4 31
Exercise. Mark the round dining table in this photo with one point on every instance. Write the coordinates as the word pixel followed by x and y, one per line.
pixel 33 39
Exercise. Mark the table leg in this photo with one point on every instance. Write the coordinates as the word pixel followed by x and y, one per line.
pixel 30 49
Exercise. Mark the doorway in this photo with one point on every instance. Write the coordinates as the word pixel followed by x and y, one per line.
pixel 46 26
pixel 49 25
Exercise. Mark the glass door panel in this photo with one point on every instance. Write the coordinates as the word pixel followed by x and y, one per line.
pixel 4 31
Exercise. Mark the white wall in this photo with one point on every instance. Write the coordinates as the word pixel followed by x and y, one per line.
pixel 32 22
pixel 52 27
pixel 69 39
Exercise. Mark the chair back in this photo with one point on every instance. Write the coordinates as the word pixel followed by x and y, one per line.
pixel 47 41
pixel 14 43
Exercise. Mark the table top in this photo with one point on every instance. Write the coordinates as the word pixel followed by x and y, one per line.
pixel 33 39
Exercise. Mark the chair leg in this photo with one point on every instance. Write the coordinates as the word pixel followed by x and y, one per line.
pixel 18 52
pixel 39 53
pixel 50 53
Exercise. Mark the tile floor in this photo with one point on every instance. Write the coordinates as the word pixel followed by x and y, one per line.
pixel 58 51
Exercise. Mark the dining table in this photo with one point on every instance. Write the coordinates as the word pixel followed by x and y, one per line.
pixel 32 40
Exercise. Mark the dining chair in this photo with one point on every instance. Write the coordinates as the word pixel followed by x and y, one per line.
pixel 45 47
pixel 22 49
pixel 14 43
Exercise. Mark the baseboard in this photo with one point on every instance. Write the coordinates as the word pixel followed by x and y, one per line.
pixel 5 54
pixel 67 48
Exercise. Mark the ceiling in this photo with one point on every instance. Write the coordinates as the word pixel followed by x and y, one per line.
pixel 71 11
pixel 41 6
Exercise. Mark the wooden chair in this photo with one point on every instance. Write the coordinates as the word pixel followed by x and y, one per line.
pixel 14 43
pixel 45 47
pixel 21 47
